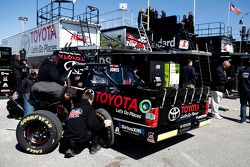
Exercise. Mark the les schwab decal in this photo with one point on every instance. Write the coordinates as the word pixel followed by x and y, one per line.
pixel 124 105
pixel 131 130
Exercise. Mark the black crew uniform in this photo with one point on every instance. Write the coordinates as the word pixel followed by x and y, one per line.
pixel 219 80
pixel 82 126
pixel 189 75
pixel 244 84
pixel 44 94
pixel 17 68
pixel 49 72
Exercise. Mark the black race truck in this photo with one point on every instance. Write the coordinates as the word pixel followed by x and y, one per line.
pixel 138 110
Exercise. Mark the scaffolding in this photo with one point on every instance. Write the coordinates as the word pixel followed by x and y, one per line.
pixel 58 9
pixel 213 29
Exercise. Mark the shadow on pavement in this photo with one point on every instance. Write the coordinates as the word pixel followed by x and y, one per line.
pixel 138 150
pixel 231 119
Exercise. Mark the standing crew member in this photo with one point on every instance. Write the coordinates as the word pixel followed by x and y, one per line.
pixel 17 68
pixel 141 18
pixel 48 70
pixel 189 75
pixel 244 90
pixel 219 80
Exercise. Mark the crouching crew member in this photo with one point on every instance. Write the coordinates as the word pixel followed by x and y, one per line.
pixel 45 94
pixel 82 126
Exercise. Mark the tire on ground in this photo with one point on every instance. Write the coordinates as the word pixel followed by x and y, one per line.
pixel 39 132
pixel 106 138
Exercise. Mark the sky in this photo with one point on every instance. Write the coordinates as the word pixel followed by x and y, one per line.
pixel 206 11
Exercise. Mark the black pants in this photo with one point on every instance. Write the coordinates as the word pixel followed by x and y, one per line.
pixel 78 144
pixel 18 85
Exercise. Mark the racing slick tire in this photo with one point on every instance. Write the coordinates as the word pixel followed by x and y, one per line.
pixel 106 136
pixel 39 132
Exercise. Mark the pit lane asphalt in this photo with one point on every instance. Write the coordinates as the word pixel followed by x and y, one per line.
pixel 222 143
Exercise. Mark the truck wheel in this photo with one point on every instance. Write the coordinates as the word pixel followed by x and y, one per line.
pixel 106 138
pixel 39 132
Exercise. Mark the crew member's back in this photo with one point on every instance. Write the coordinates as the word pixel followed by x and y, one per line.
pixel 48 70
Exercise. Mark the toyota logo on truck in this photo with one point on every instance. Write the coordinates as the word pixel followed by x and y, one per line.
pixel 174 114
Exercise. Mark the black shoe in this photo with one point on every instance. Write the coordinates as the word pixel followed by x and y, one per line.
pixel 11 116
pixel 94 150
pixel 69 153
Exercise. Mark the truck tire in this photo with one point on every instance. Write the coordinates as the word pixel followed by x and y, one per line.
pixel 106 137
pixel 39 132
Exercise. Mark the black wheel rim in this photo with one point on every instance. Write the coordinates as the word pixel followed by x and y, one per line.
pixel 36 133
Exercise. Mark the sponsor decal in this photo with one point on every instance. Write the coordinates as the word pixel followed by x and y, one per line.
pixel 5 78
pixel 67 65
pixel 43 48
pixel 145 106
pixel 71 57
pixel 163 44
pixel 118 101
pixel 201 116
pixel 36 117
pixel 123 102
pixel 227 46
pixel 190 108
pixel 132 130
pixel 78 37
pixel 5 90
pixel 184 44
pixel 113 69
pixel 80 84
pixel 77 78
pixel 245 75
pixel 38 38
pixel 5 85
pixel 128 113
pixel 117 131
pixel 185 125
pixel 75 113
pixel 104 60
pixel 135 42
pixel 43 34
pixel 151 138
pixel 174 114
pixel 5 73
pixel 34 151
pixel 187 115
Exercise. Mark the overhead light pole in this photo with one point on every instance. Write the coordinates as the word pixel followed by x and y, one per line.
pixel 148 15
pixel 23 20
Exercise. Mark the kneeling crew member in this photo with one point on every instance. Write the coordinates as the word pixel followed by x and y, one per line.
pixel 83 125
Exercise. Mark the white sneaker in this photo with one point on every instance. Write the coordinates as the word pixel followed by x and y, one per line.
pixel 217 116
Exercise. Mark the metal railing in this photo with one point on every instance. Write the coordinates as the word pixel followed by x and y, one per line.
pixel 65 9
pixel 117 18
pixel 213 29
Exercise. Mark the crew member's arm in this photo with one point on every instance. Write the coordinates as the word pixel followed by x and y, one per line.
pixel 193 73
pixel 18 65
pixel 221 76
pixel 92 122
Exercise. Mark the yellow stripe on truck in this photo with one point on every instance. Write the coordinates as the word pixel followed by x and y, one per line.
pixel 166 135
pixel 203 123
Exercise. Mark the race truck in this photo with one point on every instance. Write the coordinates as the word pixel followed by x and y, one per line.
pixel 138 110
